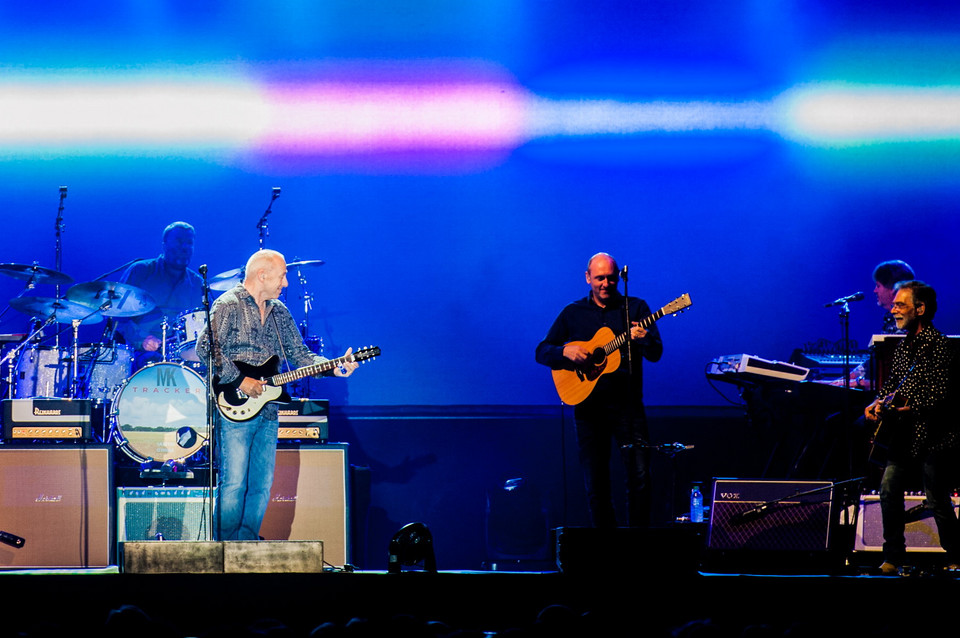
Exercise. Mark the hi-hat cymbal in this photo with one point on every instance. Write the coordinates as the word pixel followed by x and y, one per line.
pixel 306 262
pixel 122 300
pixel 65 310
pixel 226 280
pixel 36 274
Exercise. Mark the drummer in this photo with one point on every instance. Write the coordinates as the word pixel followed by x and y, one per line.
pixel 172 284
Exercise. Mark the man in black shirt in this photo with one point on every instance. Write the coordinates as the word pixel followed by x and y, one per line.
pixel 921 434
pixel 614 408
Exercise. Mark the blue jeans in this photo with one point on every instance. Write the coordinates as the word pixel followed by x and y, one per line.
pixel 937 472
pixel 248 454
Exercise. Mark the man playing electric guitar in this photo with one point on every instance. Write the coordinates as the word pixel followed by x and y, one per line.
pixel 923 438
pixel 251 325
pixel 614 408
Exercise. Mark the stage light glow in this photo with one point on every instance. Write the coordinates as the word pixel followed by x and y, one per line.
pixel 339 118
pixel 228 114
pixel 129 114
pixel 549 118
pixel 850 115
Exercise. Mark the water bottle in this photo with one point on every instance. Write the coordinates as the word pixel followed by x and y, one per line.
pixel 696 504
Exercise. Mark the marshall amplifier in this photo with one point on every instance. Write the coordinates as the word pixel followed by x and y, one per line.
pixel 304 419
pixel 32 419
pixel 770 515
pixel 310 498
pixel 57 501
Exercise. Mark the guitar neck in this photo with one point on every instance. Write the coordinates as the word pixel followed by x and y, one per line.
pixel 644 323
pixel 306 371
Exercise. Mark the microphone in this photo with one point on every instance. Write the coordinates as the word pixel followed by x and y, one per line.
pixel 276 192
pixel 12 540
pixel 857 296
pixel 748 516
pixel 202 270
pixel 623 273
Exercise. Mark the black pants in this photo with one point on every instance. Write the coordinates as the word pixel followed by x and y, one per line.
pixel 938 472
pixel 597 428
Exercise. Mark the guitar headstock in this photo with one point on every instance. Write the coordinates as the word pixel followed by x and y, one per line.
pixel 678 305
pixel 365 353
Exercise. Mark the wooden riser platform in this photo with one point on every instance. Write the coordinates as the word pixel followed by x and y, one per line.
pixel 227 557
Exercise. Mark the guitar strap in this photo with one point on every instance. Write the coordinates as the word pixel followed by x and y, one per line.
pixel 276 328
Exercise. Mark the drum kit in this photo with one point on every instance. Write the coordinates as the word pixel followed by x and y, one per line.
pixel 156 413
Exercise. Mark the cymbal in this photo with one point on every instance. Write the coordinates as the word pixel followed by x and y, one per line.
pixel 226 280
pixel 306 262
pixel 36 274
pixel 123 300
pixel 65 310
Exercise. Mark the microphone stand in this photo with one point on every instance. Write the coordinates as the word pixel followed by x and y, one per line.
pixel 58 258
pixel 213 434
pixel 15 352
pixel 262 224
pixel 844 316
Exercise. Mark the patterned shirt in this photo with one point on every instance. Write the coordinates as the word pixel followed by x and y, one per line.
pixel 239 335
pixel 923 363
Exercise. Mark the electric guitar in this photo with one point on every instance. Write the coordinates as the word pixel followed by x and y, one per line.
pixel 886 412
pixel 880 439
pixel 575 385
pixel 238 406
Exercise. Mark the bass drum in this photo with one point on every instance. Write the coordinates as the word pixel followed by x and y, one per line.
pixel 160 413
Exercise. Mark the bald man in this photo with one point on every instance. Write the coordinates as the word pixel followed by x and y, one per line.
pixel 250 324
pixel 614 410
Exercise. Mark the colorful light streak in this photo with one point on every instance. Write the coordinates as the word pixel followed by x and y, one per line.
pixel 216 115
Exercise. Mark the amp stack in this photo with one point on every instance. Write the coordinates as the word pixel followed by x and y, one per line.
pixel 78 484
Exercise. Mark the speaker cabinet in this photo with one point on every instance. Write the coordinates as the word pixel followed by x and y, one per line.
pixel 920 533
pixel 58 500
pixel 770 515
pixel 309 499
pixel 163 513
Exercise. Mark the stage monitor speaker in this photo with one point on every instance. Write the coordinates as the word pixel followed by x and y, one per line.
pixel 310 499
pixel 57 499
pixel 670 552
pixel 770 515
pixel 163 513
pixel 921 530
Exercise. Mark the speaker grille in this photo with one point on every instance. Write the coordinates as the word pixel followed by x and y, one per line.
pixel 309 499
pixel 744 515
pixel 58 500
pixel 175 513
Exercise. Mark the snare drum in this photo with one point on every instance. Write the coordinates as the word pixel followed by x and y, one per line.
pixel 189 326
pixel 160 413
pixel 41 372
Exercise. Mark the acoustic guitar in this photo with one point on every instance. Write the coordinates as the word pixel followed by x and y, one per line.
pixel 574 386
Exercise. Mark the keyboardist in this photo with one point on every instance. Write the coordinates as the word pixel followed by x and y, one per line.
pixel 885 277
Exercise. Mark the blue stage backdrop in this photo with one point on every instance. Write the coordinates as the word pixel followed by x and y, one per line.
pixel 455 164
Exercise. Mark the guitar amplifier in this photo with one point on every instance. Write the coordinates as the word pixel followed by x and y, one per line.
pixel 163 513
pixel 920 533
pixel 304 419
pixel 32 419
pixel 770 515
